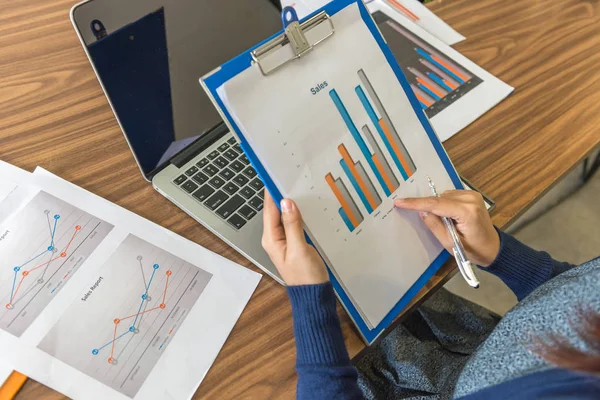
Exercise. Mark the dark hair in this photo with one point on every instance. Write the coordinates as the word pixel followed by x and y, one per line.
pixel 558 351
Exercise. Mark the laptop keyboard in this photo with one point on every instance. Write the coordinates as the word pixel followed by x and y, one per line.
pixel 225 183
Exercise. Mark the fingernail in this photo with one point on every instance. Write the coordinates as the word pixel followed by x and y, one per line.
pixel 286 205
pixel 423 214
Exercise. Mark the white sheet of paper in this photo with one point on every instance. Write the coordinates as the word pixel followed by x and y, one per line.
pixel 10 178
pixel 424 58
pixel 413 10
pixel 293 123
pixel 417 13
pixel 112 306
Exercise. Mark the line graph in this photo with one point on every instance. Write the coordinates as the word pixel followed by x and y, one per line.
pixel 43 246
pixel 138 302
pixel 138 315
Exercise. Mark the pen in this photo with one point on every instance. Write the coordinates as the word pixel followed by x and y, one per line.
pixel 464 265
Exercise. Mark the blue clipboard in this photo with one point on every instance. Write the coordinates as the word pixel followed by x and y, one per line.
pixel 227 71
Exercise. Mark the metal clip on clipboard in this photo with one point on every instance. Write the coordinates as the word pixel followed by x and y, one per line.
pixel 295 36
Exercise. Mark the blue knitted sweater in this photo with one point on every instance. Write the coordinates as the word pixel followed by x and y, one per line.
pixel 324 368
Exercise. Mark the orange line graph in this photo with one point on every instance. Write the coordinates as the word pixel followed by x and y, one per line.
pixel 25 273
pixel 133 328
pixel 140 313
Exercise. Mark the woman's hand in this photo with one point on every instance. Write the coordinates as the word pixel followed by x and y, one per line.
pixel 283 240
pixel 473 223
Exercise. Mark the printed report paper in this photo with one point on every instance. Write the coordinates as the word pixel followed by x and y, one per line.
pixel 10 178
pixel 412 10
pixel 99 303
pixel 453 91
pixel 343 143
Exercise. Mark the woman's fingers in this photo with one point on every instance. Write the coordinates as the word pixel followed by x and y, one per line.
pixel 437 227
pixel 273 239
pixel 440 206
pixel 292 224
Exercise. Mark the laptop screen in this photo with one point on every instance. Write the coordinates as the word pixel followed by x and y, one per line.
pixel 149 55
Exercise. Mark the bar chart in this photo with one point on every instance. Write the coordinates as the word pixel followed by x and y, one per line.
pixel 436 80
pixel 387 179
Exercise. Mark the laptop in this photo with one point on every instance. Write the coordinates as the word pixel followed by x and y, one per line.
pixel 148 56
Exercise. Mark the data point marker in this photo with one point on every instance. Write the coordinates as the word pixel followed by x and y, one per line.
pixel 9 306
pixel 116 321
pixel 162 305
pixel 56 216
pixel 156 266
pixel 17 269
pixel 95 352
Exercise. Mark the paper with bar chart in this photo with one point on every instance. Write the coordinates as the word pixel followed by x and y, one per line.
pixel 420 15
pixel 136 305
pixel 41 248
pixel 452 90
pixel 413 10
pixel 336 132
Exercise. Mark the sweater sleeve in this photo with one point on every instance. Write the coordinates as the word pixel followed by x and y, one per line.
pixel 322 362
pixel 522 268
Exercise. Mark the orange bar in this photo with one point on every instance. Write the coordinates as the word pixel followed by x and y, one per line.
pixel 449 84
pixel 388 135
pixel 355 174
pixel 449 67
pixel 422 100
pixel 428 86
pixel 404 10
pixel 341 199
pixel 386 178
pixel 12 385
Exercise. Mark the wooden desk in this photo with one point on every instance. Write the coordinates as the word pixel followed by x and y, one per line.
pixel 53 114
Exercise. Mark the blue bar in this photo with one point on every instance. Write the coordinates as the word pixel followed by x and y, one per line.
pixel 388 145
pixel 346 219
pixel 440 66
pixel 439 81
pixel 363 98
pixel 362 196
pixel 357 137
pixel 429 92
pixel 423 106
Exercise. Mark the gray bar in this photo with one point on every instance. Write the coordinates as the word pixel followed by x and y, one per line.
pixel 388 122
pixel 422 93
pixel 367 181
pixel 439 72
pixel 375 146
pixel 346 195
pixel 427 79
